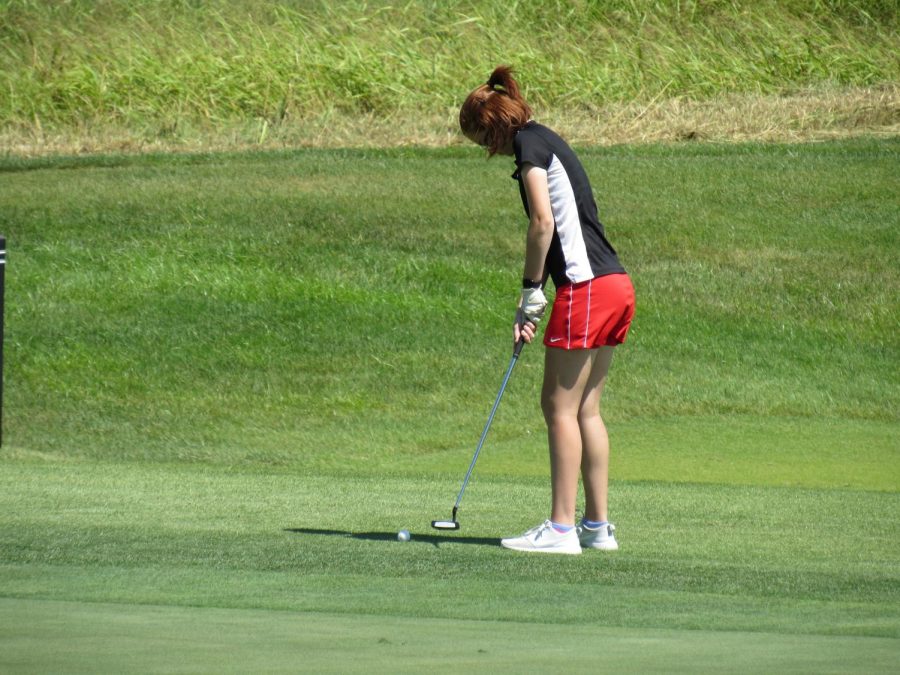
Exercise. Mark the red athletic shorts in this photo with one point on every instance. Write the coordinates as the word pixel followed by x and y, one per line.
pixel 591 314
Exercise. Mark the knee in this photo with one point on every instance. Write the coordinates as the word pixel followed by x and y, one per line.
pixel 550 408
pixel 587 414
pixel 556 415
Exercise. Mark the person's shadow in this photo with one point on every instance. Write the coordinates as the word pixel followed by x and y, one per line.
pixel 433 539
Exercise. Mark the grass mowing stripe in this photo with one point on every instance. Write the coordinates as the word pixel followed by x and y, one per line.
pixel 162 322
pixel 692 556
pixel 739 449
pixel 79 637
pixel 440 597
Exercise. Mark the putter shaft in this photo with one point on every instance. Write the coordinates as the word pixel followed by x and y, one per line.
pixel 512 363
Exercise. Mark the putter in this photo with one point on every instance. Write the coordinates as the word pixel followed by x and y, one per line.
pixel 453 523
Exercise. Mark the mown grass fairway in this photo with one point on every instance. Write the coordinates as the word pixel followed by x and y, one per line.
pixel 212 640
pixel 232 378
pixel 310 564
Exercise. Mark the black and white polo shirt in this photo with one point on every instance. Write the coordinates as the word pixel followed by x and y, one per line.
pixel 579 250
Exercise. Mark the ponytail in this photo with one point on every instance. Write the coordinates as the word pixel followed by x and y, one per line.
pixel 495 111
pixel 502 77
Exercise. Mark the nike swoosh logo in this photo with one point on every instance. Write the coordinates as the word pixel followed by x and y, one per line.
pixel 555 339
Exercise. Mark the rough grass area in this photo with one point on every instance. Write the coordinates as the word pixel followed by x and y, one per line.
pixel 811 115
pixel 111 75
pixel 316 308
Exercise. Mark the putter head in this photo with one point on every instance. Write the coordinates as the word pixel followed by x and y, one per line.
pixel 445 524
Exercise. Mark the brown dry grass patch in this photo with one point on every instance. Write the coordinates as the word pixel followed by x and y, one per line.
pixel 799 117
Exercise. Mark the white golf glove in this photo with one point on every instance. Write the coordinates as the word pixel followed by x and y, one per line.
pixel 533 304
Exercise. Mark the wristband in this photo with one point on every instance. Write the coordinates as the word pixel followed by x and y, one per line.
pixel 530 283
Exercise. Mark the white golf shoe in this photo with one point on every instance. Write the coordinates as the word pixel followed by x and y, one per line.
pixel 602 538
pixel 544 539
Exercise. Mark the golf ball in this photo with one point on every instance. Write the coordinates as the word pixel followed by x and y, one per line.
pixel 403 535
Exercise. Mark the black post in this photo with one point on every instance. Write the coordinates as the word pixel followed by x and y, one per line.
pixel 2 288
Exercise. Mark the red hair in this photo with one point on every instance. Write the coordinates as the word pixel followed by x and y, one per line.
pixel 496 110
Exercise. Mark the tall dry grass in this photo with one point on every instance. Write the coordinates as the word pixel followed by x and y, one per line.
pixel 186 73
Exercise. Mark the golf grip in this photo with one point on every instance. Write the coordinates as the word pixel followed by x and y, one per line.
pixel 512 362
pixel 518 348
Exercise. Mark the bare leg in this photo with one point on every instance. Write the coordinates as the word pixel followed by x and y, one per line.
pixel 595 442
pixel 570 399
pixel 566 377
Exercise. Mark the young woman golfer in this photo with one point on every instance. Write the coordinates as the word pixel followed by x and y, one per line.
pixel 591 313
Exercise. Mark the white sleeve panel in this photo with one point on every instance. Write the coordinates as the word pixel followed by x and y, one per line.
pixel 568 225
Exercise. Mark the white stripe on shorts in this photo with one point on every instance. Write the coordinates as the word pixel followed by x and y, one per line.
pixel 587 322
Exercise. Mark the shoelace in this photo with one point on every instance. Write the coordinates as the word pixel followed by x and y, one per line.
pixel 537 531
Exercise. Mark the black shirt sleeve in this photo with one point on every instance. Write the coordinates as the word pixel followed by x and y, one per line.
pixel 531 148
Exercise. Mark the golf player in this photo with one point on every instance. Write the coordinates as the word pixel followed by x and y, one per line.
pixel 591 313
